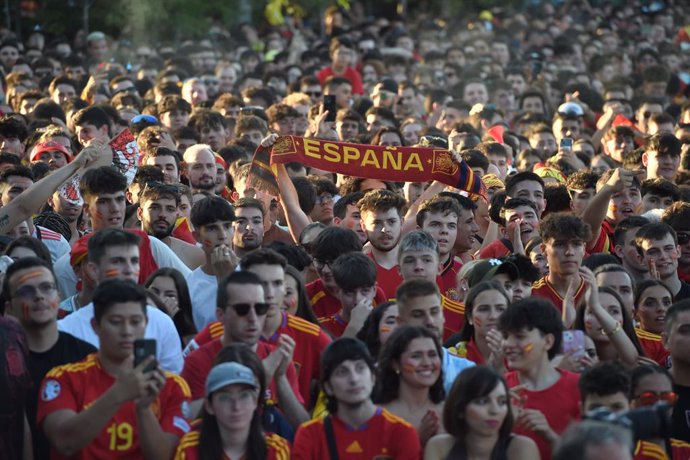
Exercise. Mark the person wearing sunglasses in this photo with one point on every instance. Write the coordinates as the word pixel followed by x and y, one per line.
pixel 608 386
pixel 241 307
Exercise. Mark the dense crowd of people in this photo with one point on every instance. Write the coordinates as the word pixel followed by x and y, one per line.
pixel 166 293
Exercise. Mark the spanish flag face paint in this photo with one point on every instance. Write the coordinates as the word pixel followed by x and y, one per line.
pixel 29 275
pixel 528 348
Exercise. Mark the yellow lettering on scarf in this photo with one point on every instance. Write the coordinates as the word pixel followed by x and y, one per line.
pixel 390 161
pixel 332 153
pixel 370 158
pixel 311 148
pixel 414 162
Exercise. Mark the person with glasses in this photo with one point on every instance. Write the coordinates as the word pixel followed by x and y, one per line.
pixel 241 308
pixel 326 194
pixel 311 86
pixel 608 386
pixel 31 296
pixel 651 385
pixel 105 406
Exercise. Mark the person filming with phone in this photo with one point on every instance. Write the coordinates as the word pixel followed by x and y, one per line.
pixel 110 405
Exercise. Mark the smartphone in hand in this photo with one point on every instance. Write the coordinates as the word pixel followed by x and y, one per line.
pixel 329 105
pixel 143 348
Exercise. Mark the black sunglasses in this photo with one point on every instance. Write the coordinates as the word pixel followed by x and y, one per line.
pixel 243 308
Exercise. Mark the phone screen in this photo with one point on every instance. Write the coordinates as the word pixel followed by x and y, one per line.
pixel 574 341
pixel 329 105
pixel 143 348
pixel 566 143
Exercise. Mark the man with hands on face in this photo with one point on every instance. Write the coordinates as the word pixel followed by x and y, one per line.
pixel 103 406
pixel 212 219
pixel 617 197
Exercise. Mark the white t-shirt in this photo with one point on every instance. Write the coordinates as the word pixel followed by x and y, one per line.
pixel 160 327
pixel 203 289
pixel 57 245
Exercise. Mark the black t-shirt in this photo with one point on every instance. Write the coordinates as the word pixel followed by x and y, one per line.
pixel 67 349
pixel 15 383
pixel 684 292
pixel 680 420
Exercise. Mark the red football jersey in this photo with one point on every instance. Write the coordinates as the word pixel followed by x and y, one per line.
pixel 646 450
pixel 560 404
pixel 602 244
pixel 495 250
pixel 384 436
pixel 334 324
pixel 448 279
pixel 654 347
pixel 387 279
pixel 198 364
pixel 680 450
pixel 278 448
pixel 543 288
pixel 310 341
pixel 76 386
pixel 454 317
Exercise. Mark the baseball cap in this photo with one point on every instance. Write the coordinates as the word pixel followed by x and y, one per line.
pixel 572 109
pixel 230 373
pixel 488 268
pixel 388 84
pixel 50 146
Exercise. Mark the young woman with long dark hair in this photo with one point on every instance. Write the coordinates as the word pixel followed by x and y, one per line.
pixel 231 417
pixel 478 419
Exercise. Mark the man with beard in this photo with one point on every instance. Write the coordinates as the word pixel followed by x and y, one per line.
pixel 200 169
pixel 382 219
pixel 249 226
pixel 157 212
pixel 659 250
pixel 32 297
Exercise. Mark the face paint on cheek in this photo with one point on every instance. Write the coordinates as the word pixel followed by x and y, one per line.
pixel 54 305
pixel 477 322
pixel 409 367
pixel 588 325
pixel 25 311
pixel 112 273
pixel 385 329
pixel 27 276
pixel 207 243
pixel 528 348
pixel 638 208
